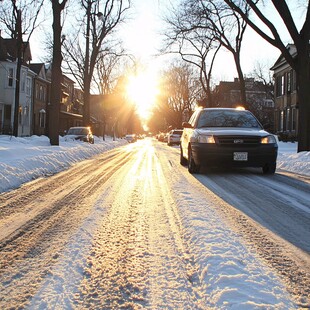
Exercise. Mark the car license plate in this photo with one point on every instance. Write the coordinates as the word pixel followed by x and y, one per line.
pixel 241 156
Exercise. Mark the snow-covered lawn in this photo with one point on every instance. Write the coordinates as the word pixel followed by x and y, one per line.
pixel 25 159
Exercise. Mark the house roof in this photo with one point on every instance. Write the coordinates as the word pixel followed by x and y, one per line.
pixel 8 50
pixel 36 67
pixel 281 60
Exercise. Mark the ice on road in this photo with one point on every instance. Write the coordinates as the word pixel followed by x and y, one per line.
pixel 132 229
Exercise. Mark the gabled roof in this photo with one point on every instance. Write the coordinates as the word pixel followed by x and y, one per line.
pixel 39 69
pixel 8 50
pixel 281 60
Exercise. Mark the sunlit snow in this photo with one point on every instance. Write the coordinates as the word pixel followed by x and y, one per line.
pixel 25 159
pixel 228 273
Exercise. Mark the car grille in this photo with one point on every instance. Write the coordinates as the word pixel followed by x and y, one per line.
pixel 238 141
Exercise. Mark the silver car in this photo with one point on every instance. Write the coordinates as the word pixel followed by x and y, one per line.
pixel 174 136
pixel 226 137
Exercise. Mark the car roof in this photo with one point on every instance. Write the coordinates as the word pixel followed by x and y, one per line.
pixel 228 109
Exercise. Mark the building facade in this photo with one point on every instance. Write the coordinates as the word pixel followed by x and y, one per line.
pixel 259 98
pixel 41 87
pixel 8 78
pixel 286 99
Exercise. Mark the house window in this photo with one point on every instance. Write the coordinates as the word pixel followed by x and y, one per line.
pixel 282 85
pixel 42 118
pixel 23 80
pixel 42 93
pixel 37 89
pixel 10 77
pixel 289 82
pixel 28 86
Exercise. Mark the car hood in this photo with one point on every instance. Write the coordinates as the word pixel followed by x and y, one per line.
pixel 218 131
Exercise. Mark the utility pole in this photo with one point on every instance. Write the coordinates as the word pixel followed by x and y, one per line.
pixel 19 40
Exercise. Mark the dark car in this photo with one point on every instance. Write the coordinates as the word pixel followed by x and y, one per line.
pixel 80 133
pixel 227 137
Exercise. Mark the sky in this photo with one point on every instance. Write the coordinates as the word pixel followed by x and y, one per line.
pixel 142 35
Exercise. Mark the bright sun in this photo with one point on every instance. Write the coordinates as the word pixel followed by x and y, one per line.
pixel 142 90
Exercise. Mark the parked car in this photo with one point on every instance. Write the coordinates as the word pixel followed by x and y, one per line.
pixel 227 137
pixel 174 136
pixel 131 138
pixel 80 133
pixel 161 136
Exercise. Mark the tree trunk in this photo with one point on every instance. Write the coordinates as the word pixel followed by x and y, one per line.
pixel 54 107
pixel 303 82
pixel 241 80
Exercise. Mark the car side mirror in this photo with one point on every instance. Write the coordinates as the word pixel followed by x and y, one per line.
pixel 186 125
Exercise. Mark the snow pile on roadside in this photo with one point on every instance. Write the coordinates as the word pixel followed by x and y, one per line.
pixel 230 273
pixel 28 158
pixel 290 160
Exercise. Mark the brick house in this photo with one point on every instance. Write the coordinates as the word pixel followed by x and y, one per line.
pixel 286 99
pixel 259 98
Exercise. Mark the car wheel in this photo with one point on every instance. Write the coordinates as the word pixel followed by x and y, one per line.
pixel 269 168
pixel 192 166
pixel 183 160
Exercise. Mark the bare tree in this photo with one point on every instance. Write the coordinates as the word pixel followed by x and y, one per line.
pixel 221 24
pixel 102 18
pixel 194 47
pixel 58 7
pixel 179 92
pixel 300 63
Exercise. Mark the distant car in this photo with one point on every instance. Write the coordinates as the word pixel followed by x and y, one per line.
pixel 161 136
pixel 227 137
pixel 80 133
pixel 131 138
pixel 174 136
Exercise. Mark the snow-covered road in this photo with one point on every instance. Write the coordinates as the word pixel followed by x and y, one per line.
pixel 132 229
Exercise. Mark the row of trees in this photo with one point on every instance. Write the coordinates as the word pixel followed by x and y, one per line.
pixel 87 50
pixel 198 29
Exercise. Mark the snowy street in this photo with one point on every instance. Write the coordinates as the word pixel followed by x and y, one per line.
pixel 130 228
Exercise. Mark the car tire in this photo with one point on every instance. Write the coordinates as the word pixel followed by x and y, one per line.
pixel 269 168
pixel 183 160
pixel 192 166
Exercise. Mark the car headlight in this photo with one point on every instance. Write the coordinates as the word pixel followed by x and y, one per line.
pixel 203 139
pixel 268 140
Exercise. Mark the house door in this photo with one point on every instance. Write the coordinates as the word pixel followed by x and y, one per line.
pixel 7 113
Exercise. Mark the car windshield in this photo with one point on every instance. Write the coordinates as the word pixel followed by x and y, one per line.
pixel 177 132
pixel 226 118
pixel 77 131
